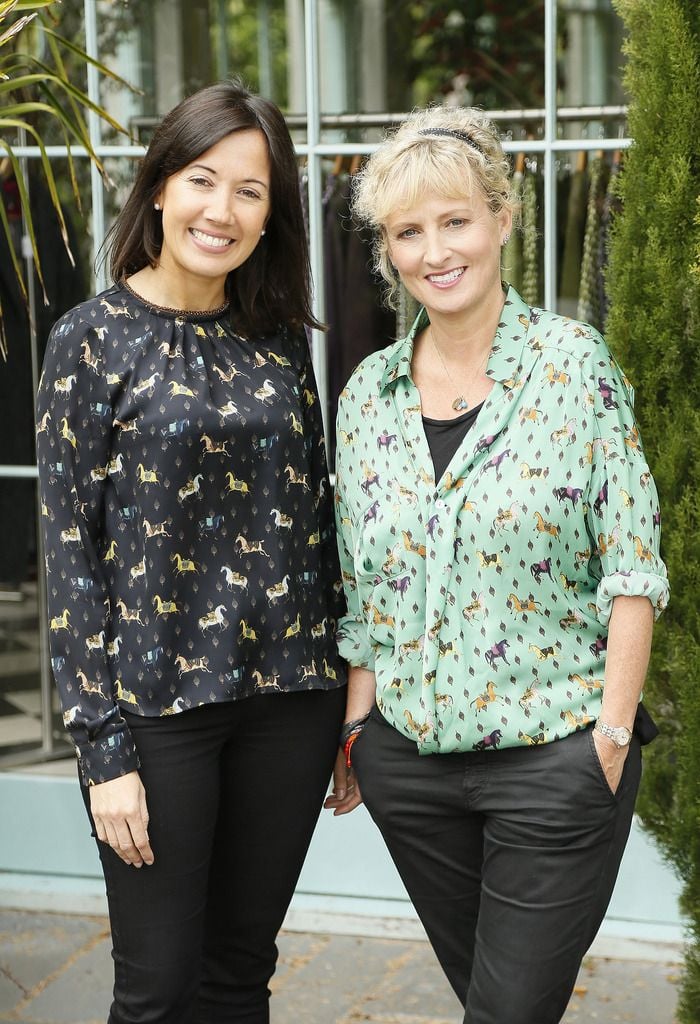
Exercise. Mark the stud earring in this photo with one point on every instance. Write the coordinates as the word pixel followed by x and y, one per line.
pixel 262 232
pixel 156 206
pixel 505 239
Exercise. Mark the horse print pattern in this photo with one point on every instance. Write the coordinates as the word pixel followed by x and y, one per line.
pixel 187 518
pixel 481 601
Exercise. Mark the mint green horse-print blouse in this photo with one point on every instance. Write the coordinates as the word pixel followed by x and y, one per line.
pixel 481 601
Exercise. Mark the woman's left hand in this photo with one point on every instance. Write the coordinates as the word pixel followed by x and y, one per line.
pixel 611 757
pixel 346 794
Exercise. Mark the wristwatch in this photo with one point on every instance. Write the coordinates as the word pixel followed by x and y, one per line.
pixel 619 734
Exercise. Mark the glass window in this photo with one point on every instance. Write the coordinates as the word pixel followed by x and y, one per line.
pixel 68 22
pixel 65 280
pixel 251 40
pixel 379 58
pixel 24 698
pixel 122 172
pixel 30 717
pixel 169 50
pixel 20 690
pixel 589 69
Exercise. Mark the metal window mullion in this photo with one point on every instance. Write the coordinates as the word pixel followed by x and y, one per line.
pixel 27 472
pixel 550 128
pixel 529 146
pixel 93 121
pixel 19 472
pixel 315 193
pixel 80 151
pixel 264 51
pixel 339 148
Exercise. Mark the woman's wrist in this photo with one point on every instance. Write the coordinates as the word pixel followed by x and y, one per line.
pixel 349 733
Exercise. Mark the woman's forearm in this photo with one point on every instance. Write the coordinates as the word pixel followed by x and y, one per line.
pixel 629 647
pixel 362 687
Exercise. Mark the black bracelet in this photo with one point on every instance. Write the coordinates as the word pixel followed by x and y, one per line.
pixel 356 726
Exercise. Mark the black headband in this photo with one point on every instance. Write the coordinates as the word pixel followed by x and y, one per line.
pixel 454 134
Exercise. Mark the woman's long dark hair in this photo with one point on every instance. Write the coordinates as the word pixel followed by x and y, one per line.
pixel 272 287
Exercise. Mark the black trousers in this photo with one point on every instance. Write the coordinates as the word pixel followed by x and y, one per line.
pixel 234 792
pixel 509 857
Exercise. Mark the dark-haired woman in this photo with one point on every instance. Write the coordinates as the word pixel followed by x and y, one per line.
pixel 192 575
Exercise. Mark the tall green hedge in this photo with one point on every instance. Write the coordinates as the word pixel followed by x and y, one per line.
pixel 654 329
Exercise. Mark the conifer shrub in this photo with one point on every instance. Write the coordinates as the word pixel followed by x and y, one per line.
pixel 654 330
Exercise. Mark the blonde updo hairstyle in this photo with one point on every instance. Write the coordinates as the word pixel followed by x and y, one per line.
pixel 410 165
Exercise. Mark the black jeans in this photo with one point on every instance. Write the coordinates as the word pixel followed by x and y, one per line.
pixel 233 791
pixel 509 857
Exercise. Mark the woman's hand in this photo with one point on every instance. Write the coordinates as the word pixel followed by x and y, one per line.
pixel 121 818
pixel 362 687
pixel 346 794
pixel 612 759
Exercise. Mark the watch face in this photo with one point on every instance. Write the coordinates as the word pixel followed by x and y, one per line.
pixel 621 736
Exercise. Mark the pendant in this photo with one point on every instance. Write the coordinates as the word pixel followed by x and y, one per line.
pixel 460 404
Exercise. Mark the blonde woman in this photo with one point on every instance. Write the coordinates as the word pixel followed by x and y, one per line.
pixel 499 542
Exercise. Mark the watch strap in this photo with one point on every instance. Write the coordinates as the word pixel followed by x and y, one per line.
pixel 619 734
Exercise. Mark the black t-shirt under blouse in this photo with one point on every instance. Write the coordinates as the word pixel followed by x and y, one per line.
pixel 445 436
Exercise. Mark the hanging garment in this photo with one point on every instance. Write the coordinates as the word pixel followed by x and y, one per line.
pixel 531 254
pixel 573 239
pixel 64 288
pixel 304 196
pixel 406 312
pixel 612 205
pixel 589 298
pixel 358 322
pixel 513 249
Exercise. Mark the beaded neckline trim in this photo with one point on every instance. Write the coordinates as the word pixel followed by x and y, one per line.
pixel 190 314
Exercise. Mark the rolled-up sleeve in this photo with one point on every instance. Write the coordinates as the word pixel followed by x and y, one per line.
pixel 623 506
pixel 352 634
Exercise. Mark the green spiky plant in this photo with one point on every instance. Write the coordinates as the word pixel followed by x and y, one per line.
pixel 35 84
pixel 654 328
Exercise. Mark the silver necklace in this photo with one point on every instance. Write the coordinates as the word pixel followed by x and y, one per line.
pixel 460 404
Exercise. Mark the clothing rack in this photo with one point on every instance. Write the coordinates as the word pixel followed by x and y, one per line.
pixel 347 157
pixel 386 120
pixel 589 113
pixel 298 122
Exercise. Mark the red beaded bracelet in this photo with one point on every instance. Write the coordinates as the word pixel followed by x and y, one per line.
pixel 348 735
pixel 347 749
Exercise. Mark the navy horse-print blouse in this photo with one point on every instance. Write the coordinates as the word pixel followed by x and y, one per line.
pixel 187 518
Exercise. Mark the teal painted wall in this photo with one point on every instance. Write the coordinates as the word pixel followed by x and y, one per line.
pixel 45 846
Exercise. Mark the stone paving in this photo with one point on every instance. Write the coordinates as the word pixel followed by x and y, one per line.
pixel 56 969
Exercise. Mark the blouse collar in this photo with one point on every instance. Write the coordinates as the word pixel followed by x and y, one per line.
pixel 506 352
